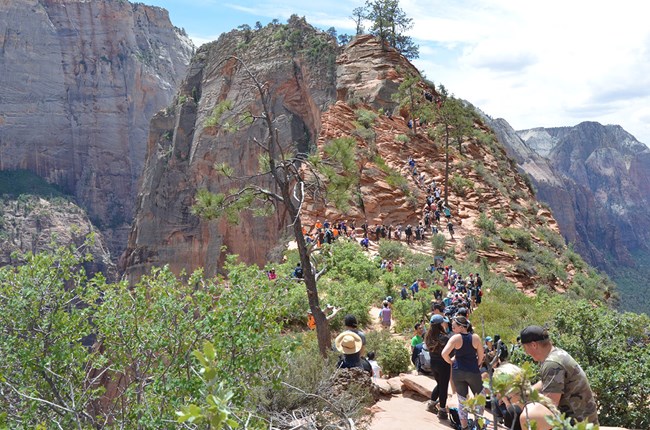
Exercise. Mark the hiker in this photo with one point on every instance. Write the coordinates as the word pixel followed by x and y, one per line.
pixel 562 380
pixel 376 369
pixel 385 315
pixel 350 323
pixel 272 275
pixel 297 272
pixel 417 338
pixel 350 345
pixel 365 243
pixel 436 339
pixel 330 312
pixel 450 228
pixel 408 232
pixel 404 293
pixel 415 287
pixel 465 365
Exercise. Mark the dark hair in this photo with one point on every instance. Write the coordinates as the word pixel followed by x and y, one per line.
pixel 371 355
pixel 435 339
pixel 462 321
pixel 438 306
pixel 417 326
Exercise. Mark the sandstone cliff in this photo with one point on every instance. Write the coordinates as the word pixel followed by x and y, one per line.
pixel 297 63
pixel 80 82
pixel 34 224
pixel 595 179
pixel 183 152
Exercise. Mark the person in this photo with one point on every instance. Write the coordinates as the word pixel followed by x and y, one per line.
pixel 436 339
pixel 297 272
pixel 403 292
pixel 350 344
pixel 385 315
pixel 351 324
pixel 415 287
pixel 272 275
pixel 330 312
pixel 365 243
pixel 562 380
pixel 417 337
pixel 465 365
pixel 376 369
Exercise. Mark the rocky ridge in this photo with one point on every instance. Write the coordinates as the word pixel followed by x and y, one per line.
pixel 595 179
pixel 313 105
pixel 80 83
pixel 31 224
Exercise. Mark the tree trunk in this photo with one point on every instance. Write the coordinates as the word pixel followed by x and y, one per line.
pixel 446 165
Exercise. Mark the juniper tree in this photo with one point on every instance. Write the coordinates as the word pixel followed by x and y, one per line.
pixel 388 23
pixel 294 174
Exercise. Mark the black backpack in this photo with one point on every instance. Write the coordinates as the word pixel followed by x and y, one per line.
pixel 298 272
pixel 454 420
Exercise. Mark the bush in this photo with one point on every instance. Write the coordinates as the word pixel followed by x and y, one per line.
pixel 521 238
pixel 438 243
pixel 391 250
pixel 408 312
pixel 402 138
pixel 460 185
pixel 366 118
pixel 486 224
pixel 393 357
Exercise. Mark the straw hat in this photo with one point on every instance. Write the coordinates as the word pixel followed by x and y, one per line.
pixel 348 342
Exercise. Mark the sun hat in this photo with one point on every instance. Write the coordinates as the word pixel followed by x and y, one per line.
pixel 348 342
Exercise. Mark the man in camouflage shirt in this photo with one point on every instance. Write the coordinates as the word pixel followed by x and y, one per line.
pixel 562 380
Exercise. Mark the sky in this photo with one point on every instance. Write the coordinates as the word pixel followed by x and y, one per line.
pixel 544 63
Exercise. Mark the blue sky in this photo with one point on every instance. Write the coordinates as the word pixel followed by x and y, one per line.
pixel 547 64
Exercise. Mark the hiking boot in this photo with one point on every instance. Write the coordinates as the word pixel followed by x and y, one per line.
pixel 432 406
pixel 442 415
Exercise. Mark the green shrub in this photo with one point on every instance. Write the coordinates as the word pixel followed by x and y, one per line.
pixel 460 185
pixel 391 250
pixel 438 243
pixel 393 357
pixel 408 312
pixel 402 138
pixel 366 118
pixel 521 238
pixel 486 224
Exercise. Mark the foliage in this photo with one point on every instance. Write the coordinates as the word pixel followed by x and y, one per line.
pixel 486 224
pixel 389 22
pixel 438 242
pixel 17 182
pixel 402 138
pixel 391 250
pixel 392 356
pixel 460 185
pixel 521 238
pixel 366 118
pixel 408 312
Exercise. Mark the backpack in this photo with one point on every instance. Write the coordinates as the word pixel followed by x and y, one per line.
pixel 424 361
pixel 454 420
pixel 298 272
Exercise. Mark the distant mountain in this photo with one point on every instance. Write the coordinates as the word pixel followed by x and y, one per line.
pixel 596 179
pixel 80 82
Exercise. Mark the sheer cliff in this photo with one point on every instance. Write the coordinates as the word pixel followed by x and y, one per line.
pixel 319 96
pixel 80 82
pixel 595 178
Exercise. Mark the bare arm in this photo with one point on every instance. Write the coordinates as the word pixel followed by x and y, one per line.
pixel 451 345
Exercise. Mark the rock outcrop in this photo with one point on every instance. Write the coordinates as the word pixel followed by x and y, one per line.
pixel 596 180
pixel 313 103
pixel 80 82
pixel 34 224
pixel 183 148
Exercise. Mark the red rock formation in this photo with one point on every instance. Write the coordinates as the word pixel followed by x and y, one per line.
pixel 80 82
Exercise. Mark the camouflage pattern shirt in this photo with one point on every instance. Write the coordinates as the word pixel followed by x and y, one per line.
pixel 561 374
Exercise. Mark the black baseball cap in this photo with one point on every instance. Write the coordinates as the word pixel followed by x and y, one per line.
pixel 533 333
pixel 350 321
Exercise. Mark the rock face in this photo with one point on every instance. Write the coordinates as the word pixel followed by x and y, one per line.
pixel 595 178
pixel 183 148
pixel 34 224
pixel 318 97
pixel 80 82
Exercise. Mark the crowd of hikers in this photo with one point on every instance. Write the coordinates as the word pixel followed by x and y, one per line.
pixel 446 348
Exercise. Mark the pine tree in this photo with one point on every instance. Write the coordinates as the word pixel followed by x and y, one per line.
pixel 388 23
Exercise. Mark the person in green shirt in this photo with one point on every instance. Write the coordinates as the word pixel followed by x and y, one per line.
pixel 418 338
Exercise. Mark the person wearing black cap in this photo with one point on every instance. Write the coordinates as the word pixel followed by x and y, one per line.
pixel 562 380
pixel 350 322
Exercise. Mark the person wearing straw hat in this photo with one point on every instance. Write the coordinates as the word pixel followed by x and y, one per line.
pixel 349 344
